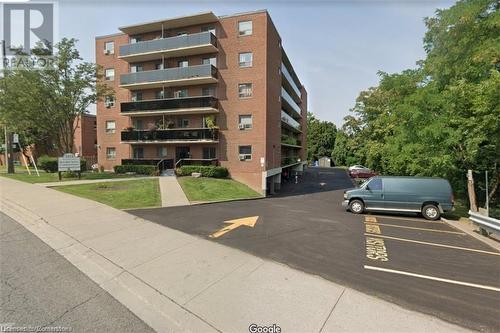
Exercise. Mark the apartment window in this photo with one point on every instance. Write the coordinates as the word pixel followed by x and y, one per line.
pixel 245 153
pixel 136 96
pixel 137 123
pixel 181 93
pixel 110 126
pixel 246 59
pixel 138 152
pixel 182 123
pixel 109 101
pixel 209 61
pixel 245 90
pixel 110 153
pixel 159 94
pixel 208 152
pixel 162 152
pixel 109 48
pixel 135 39
pixel 208 91
pixel 244 28
pixel 158 66
pixel 210 28
pixel 109 74
pixel 245 122
pixel 182 63
pixel 136 68
pixel 182 33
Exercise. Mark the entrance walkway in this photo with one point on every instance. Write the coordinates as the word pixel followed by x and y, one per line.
pixel 171 192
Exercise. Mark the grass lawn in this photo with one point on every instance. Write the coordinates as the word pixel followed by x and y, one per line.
pixel 212 189
pixel 122 195
pixel 22 175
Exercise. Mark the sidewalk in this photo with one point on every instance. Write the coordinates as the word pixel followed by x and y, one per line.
pixel 171 192
pixel 178 282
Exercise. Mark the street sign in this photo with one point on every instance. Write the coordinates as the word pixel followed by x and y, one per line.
pixel 15 138
pixel 68 162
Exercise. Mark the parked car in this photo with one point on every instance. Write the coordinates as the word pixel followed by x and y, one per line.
pixel 429 196
pixel 362 173
pixel 357 166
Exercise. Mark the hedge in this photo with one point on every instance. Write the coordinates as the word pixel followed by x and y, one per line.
pixel 205 170
pixel 149 170
pixel 49 164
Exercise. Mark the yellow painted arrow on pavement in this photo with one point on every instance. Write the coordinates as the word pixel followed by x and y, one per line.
pixel 248 221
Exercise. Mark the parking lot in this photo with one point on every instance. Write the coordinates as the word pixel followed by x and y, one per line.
pixel 426 266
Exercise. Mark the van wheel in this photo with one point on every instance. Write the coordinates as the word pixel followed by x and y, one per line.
pixel 431 212
pixel 357 206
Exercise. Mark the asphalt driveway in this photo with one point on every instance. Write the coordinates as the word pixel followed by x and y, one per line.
pixel 425 266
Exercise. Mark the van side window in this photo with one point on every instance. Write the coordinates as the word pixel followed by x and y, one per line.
pixel 375 184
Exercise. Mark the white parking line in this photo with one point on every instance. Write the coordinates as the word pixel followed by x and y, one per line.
pixel 413 219
pixel 434 244
pixel 424 229
pixel 428 277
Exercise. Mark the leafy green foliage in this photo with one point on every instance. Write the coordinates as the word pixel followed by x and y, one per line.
pixel 149 170
pixel 320 137
pixel 205 170
pixel 441 118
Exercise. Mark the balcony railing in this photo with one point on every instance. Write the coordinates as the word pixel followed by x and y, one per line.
pixel 197 42
pixel 290 121
pixel 289 160
pixel 289 100
pixel 180 75
pixel 178 134
pixel 290 80
pixel 290 141
pixel 169 104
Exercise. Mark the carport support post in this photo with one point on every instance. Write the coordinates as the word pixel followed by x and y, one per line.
pixel 472 193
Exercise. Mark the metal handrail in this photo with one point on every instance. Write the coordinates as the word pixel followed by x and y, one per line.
pixel 489 224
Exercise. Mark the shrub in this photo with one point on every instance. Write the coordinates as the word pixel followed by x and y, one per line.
pixel 48 164
pixel 206 171
pixel 149 170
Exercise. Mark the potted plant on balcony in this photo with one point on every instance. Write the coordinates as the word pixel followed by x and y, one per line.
pixel 211 125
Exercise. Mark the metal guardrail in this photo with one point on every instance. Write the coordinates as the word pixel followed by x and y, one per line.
pixel 485 223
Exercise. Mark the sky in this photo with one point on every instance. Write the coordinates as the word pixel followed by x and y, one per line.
pixel 336 47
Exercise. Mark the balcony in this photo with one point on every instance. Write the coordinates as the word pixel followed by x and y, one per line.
pixel 290 142
pixel 290 160
pixel 185 105
pixel 178 76
pixel 290 123
pixel 178 135
pixel 290 105
pixel 178 46
pixel 289 83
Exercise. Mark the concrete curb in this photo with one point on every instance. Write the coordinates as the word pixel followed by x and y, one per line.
pixel 470 231
pixel 155 309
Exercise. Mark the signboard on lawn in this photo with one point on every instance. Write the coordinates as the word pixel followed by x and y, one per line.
pixel 69 162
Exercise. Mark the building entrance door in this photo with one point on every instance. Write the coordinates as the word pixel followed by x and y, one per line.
pixel 182 152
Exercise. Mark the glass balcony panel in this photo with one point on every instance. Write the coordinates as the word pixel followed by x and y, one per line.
pixel 169 74
pixel 290 80
pixel 290 121
pixel 289 100
pixel 169 104
pixel 195 134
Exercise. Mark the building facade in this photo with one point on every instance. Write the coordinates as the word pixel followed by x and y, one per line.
pixel 203 89
pixel 85 141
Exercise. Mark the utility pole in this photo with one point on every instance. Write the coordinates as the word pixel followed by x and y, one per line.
pixel 472 193
pixel 487 205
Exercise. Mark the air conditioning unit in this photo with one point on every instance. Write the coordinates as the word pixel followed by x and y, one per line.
pixel 242 157
pixel 241 126
pixel 107 52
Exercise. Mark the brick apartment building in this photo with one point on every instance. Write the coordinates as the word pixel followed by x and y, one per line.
pixel 85 140
pixel 175 78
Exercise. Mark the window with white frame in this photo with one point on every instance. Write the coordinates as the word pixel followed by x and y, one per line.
pixel 136 96
pixel 109 48
pixel 182 63
pixel 136 68
pixel 135 39
pixel 181 93
pixel 244 28
pixel 162 152
pixel 110 153
pixel 209 61
pixel 109 74
pixel 246 59
pixel 245 122
pixel 245 90
pixel 245 153
pixel 110 126
pixel 159 66
pixel 109 101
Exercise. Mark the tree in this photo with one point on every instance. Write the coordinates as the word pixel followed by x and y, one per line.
pixel 43 105
pixel 320 137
